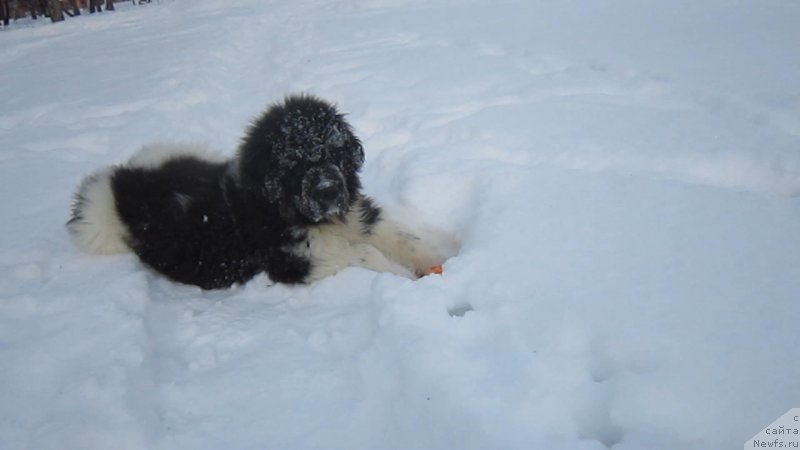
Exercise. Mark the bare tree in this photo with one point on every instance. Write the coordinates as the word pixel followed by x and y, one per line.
pixel 5 12
pixel 36 7
pixel 32 7
pixel 55 10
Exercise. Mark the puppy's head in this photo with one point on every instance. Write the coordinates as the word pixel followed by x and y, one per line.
pixel 303 156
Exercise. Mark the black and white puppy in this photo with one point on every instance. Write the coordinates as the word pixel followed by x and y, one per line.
pixel 288 204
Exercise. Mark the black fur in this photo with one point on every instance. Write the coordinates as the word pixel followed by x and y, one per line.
pixel 215 224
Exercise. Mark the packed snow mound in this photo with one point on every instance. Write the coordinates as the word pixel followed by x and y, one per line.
pixel 623 178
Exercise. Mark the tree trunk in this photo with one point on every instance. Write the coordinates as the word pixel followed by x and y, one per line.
pixel 5 13
pixel 43 7
pixel 56 13
pixel 109 5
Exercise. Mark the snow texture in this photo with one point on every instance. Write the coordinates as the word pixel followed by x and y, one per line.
pixel 623 177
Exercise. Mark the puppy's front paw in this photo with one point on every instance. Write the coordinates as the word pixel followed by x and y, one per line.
pixel 369 257
pixel 424 250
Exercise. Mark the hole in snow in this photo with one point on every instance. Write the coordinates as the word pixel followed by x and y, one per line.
pixel 460 310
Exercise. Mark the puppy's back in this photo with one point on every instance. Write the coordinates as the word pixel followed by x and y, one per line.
pixel 95 223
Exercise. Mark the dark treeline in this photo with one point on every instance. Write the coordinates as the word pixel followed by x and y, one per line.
pixel 54 9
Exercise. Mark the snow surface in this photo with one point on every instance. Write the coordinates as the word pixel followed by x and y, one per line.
pixel 623 176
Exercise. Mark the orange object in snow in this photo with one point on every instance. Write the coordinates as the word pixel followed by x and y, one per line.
pixel 438 270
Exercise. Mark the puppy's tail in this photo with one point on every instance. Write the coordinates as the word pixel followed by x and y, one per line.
pixel 95 225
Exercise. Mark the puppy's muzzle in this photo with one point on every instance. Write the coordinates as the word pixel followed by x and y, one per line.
pixel 324 193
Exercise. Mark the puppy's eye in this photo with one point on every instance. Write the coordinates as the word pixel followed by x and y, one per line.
pixel 335 137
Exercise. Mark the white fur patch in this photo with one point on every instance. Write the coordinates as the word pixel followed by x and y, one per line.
pixel 388 246
pixel 418 247
pixel 95 226
pixel 330 251
pixel 154 155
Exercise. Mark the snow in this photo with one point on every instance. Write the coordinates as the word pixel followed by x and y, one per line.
pixel 623 177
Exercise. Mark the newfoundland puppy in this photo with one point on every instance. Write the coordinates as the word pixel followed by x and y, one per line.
pixel 288 204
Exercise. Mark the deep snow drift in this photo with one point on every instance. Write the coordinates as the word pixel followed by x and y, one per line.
pixel 623 178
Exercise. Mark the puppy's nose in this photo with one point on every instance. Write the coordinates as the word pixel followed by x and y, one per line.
pixel 330 190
